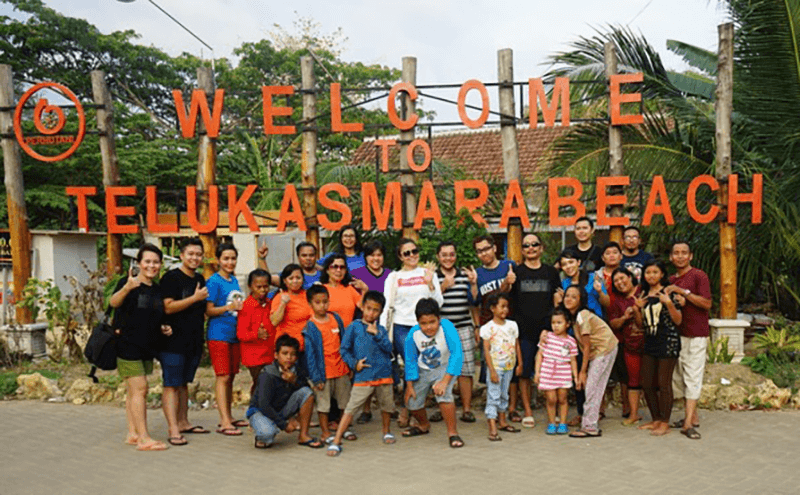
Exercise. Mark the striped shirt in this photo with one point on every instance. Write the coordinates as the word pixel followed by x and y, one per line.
pixel 457 300
pixel 556 370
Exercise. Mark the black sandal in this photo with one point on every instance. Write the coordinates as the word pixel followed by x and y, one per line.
pixel 455 442
pixel 691 434
pixel 414 431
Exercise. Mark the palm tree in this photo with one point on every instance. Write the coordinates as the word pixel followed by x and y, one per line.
pixel 677 138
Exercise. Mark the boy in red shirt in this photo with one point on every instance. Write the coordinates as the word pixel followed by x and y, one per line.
pixel 326 368
pixel 254 330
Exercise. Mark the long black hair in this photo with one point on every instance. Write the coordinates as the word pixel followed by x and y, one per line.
pixel 624 271
pixel 581 292
pixel 358 247
pixel 288 270
pixel 664 277
pixel 324 278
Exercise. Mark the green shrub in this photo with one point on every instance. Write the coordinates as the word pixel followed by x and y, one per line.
pixel 718 352
pixel 8 383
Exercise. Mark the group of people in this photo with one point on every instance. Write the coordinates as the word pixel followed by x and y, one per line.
pixel 343 329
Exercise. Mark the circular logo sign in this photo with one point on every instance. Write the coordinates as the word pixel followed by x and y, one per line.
pixel 49 120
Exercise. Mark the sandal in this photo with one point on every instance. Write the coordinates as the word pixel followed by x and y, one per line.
pixel 494 438
pixel 679 424
pixel 240 423
pixel 455 442
pixel 630 421
pixel 334 450
pixel 261 445
pixel 691 434
pixel 195 429
pixel 389 439
pixel 551 429
pixel 467 417
pixel 178 441
pixel 349 435
pixel 436 417
pixel 528 422
pixel 576 421
pixel 562 429
pixel 152 445
pixel 312 443
pixel 514 417
pixel 415 431
pixel 364 417
pixel 586 434
pixel 230 432
pixel 509 429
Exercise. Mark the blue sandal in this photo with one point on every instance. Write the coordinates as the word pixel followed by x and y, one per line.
pixel 563 429
pixel 551 429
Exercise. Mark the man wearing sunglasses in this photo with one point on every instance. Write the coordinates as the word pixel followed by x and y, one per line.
pixel 532 300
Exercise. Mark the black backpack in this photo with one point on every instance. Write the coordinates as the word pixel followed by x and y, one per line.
pixel 101 348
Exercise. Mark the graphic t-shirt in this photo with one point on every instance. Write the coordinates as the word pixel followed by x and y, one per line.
pixel 187 325
pixel 591 259
pixel 502 343
pixel 139 321
pixel 343 301
pixel 532 296
pixel 410 287
pixel 695 320
pixel 433 352
pixel 489 282
pixel 331 344
pixel 222 292
pixel 373 282
pixel 295 316
pixel 636 263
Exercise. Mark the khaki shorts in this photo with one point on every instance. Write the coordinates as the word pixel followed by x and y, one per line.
pixel 134 368
pixel 687 379
pixel 360 395
pixel 338 388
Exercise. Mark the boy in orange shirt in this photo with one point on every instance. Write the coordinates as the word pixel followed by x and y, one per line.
pixel 326 368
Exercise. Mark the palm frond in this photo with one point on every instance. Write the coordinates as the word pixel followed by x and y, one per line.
pixel 697 57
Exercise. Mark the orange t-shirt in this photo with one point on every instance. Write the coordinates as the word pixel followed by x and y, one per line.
pixel 343 301
pixel 331 345
pixel 295 316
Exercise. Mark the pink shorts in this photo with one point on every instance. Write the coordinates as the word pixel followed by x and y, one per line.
pixel 225 357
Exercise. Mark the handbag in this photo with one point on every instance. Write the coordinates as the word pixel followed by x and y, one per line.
pixel 101 348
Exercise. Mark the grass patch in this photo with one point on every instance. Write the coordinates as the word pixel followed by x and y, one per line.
pixel 8 383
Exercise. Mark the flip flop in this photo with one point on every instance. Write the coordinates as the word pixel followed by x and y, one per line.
pixel 514 417
pixel 349 435
pixel 334 450
pixel 509 429
pixel 414 431
pixel 312 443
pixel 495 438
pixel 467 417
pixel 679 424
pixel 195 429
pixel 178 441
pixel 576 421
pixel 585 434
pixel 262 445
pixel 436 417
pixel 691 434
pixel 455 442
pixel 389 439
pixel 528 422
pixel 152 445
pixel 240 423
pixel 229 432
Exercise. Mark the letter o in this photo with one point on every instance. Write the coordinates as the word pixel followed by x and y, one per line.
pixel 410 155
pixel 462 101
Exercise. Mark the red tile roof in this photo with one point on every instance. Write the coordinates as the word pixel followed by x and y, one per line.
pixel 479 153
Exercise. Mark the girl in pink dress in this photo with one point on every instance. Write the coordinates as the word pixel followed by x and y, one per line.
pixel 555 369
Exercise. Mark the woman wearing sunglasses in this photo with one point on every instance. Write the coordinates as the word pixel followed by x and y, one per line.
pixel 344 291
pixel 403 290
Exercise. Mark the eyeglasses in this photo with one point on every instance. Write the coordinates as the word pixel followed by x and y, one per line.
pixel 412 252
pixel 338 267
pixel 484 250
pixel 631 237
pixel 531 245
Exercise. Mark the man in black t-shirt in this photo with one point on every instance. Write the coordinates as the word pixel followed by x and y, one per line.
pixel 590 256
pixel 185 296
pixel 532 297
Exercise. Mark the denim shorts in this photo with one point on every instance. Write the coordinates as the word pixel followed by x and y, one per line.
pixel 427 378
pixel 178 369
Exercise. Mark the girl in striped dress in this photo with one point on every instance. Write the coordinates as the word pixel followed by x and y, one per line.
pixel 555 368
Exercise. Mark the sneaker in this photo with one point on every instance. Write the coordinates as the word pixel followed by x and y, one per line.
pixel 551 429
pixel 563 429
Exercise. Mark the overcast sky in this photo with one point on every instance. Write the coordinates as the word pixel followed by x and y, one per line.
pixel 452 40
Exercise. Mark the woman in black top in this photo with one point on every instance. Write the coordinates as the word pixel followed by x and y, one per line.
pixel 659 315
pixel 138 318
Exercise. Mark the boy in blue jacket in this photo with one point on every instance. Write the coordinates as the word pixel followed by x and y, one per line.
pixel 282 399
pixel 327 371
pixel 433 358
pixel 367 350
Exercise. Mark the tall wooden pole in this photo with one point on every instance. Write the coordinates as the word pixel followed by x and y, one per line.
pixel 408 107
pixel 309 157
pixel 206 175
pixel 615 165
pixel 727 232
pixel 15 193
pixel 508 138
pixel 108 154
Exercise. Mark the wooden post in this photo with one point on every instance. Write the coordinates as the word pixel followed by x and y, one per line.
pixel 108 154
pixel 206 176
pixel 727 232
pixel 508 138
pixel 408 107
pixel 15 193
pixel 309 156
pixel 615 165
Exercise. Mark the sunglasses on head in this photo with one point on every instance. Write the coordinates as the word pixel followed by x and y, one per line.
pixel 411 252
pixel 531 244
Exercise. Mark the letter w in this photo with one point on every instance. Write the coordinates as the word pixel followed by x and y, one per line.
pixel 199 103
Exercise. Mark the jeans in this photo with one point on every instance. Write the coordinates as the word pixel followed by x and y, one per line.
pixel 399 340
pixel 497 393
pixel 265 428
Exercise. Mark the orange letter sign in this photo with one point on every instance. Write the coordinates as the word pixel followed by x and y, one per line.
pixel 514 206
pixel 331 204
pixel 391 205
pixel 113 210
pixel 462 102
pixel 80 194
pixel 428 196
pixel 384 145
pixel 604 200
pixel 213 210
pixel 271 111
pixel 536 94
pixel 291 210
pixel 426 150
pixel 617 99
pixel 658 192
pixel 462 201
pixel 411 121
pixel 336 113
pixel 152 213
pixel 691 199
pixel 240 207
pixel 556 202
pixel 199 103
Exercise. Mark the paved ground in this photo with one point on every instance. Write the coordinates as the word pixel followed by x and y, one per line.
pixel 65 449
